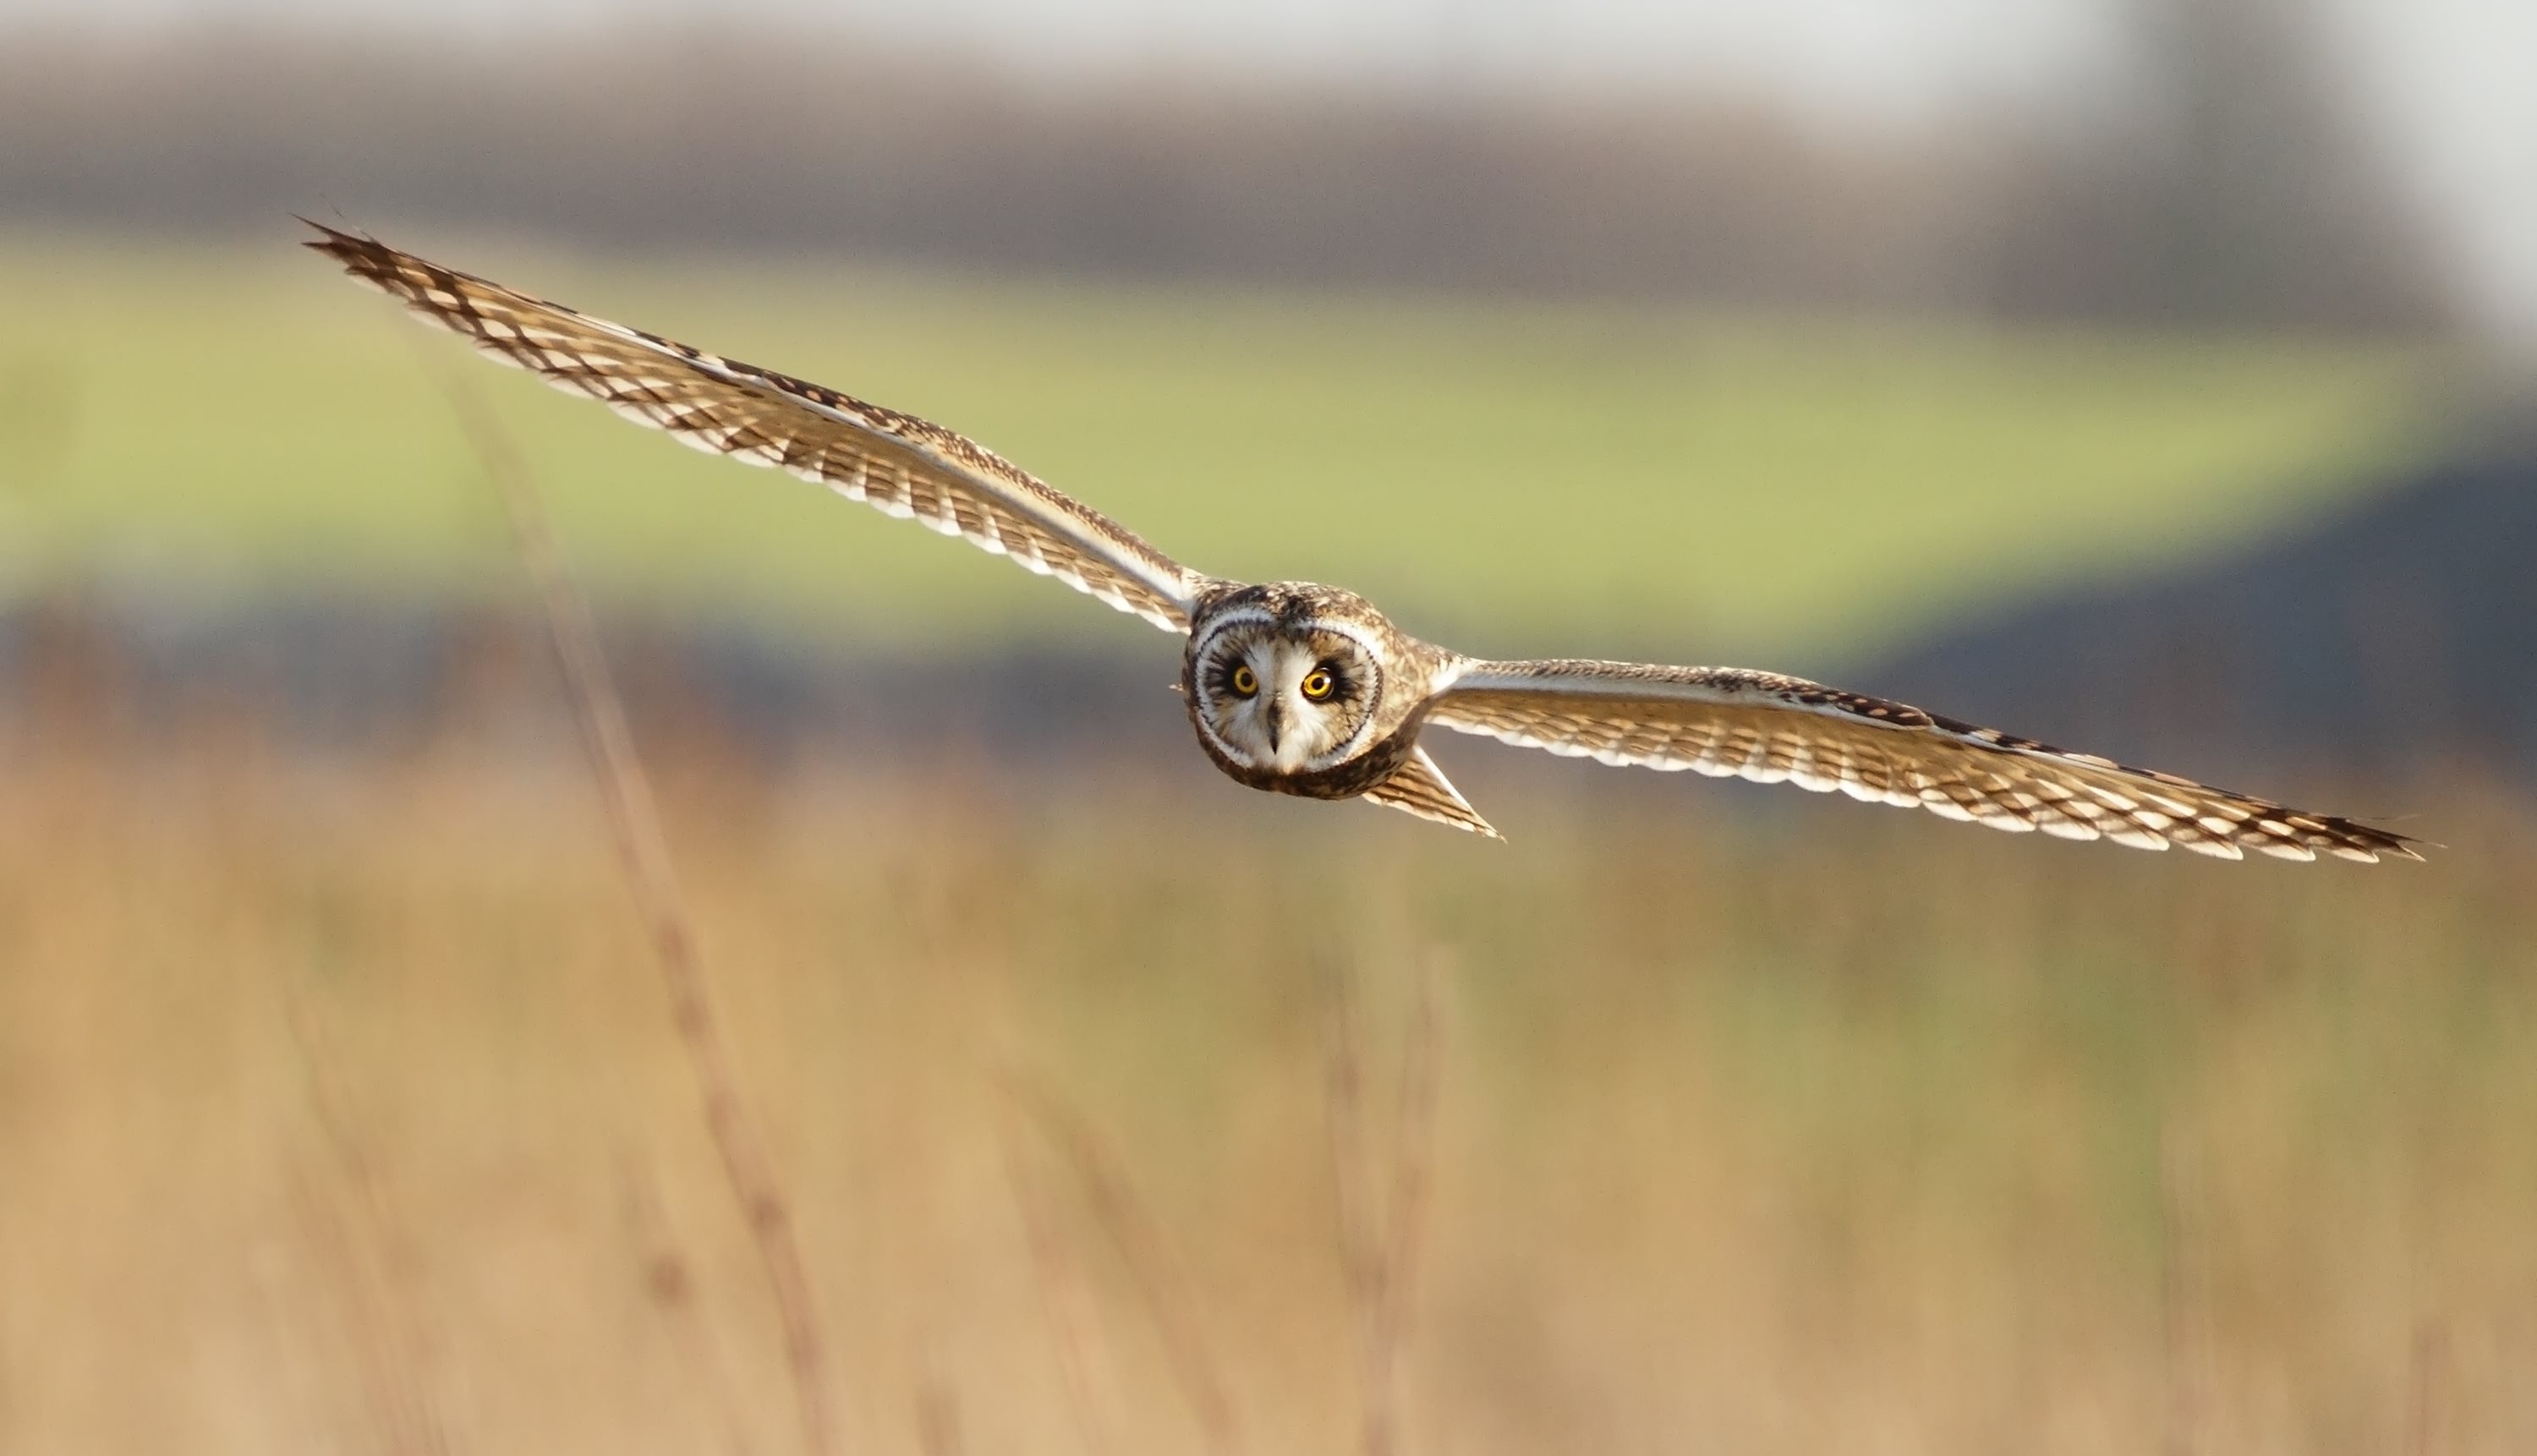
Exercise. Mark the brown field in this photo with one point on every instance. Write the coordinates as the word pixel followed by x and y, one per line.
pixel 341 1109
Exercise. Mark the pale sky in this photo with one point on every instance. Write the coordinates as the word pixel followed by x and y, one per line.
pixel 2449 82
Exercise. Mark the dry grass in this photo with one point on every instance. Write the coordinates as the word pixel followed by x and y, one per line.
pixel 651 876
pixel 335 1114
pixel 1380 1227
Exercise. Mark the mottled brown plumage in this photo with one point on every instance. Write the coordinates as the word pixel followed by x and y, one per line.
pixel 895 462
pixel 1770 729
pixel 1327 620
pixel 1304 689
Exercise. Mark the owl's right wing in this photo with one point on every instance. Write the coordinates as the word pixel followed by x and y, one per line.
pixel 1770 729
pixel 900 464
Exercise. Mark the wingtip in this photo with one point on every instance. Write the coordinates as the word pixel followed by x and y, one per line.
pixel 340 244
pixel 331 235
pixel 2387 844
pixel 343 247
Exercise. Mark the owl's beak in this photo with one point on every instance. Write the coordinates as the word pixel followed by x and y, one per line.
pixel 1276 717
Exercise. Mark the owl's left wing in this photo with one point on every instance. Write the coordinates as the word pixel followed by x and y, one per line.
pixel 1420 788
pixel 895 462
pixel 1759 725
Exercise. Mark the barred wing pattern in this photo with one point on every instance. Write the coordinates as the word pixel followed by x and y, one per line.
pixel 902 465
pixel 1419 788
pixel 1769 728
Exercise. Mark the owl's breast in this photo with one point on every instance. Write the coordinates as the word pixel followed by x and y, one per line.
pixel 1339 781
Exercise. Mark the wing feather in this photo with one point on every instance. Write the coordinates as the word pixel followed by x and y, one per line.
pixel 901 465
pixel 1420 788
pixel 1770 729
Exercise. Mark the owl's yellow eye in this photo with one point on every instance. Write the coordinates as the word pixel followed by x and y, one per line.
pixel 1318 684
pixel 1245 681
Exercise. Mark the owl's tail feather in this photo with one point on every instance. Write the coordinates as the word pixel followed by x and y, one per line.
pixel 1419 788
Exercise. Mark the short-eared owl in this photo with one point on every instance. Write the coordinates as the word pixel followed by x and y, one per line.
pixel 1307 689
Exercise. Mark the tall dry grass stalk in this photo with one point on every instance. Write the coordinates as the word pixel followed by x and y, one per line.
pixel 642 848
pixel 1380 1239
pixel 1084 1365
pixel 1163 1284
pixel 938 1429
pixel 670 1283
pixel 354 1229
pixel 2184 1292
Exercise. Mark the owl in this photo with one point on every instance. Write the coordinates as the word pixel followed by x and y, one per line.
pixel 1297 688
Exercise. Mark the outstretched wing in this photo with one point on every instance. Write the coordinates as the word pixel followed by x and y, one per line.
pixel 1760 725
pixel 898 463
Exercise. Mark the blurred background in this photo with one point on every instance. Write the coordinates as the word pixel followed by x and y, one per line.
pixel 2151 376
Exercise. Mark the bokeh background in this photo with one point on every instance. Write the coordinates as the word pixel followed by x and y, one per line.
pixel 2152 376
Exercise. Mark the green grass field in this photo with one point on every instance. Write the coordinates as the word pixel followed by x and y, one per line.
pixel 1516 476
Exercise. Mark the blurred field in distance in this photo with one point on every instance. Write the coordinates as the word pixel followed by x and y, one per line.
pixel 1535 477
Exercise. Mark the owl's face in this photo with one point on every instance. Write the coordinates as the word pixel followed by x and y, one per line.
pixel 1284 697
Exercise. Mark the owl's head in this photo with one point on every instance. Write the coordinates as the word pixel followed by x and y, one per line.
pixel 1278 686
